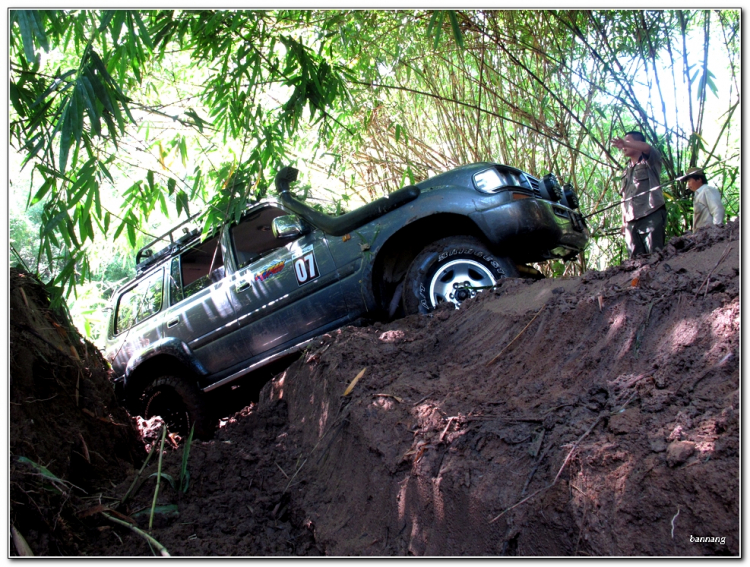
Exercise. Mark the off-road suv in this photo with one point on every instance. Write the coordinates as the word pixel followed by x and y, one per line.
pixel 203 313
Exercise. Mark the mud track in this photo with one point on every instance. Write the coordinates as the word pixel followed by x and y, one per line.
pixel 592 416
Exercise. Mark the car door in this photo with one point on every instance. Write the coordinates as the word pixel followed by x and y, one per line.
pixel 284 289
pixel 201 313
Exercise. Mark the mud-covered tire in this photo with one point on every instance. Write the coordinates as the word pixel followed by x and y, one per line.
pixel 179 403
pixel 445 266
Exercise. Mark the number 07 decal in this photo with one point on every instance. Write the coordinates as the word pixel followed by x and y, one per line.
pixel 306 268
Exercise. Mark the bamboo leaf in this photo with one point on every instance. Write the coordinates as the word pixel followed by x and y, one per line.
pixel 144 35
pixel 42 191
pixel 106 18
pixel 87 95
pixel 82 227
pixel 99 89
pixel 22 547
pixel 168 477
pixel 199 122
pixel 181 202
pixel 119 18
pixel 436 26
pixel 105 171
pixel 66 273
pixel 119 229
pixel 71 231
pixel 43 470
pixel 102 68
pixel 67 131
pixel 111 127
pixel 183 151
pixel 35 18
pixel 458 36
pixel 711 84
pixel 15 99
pixel 196 184
pixel 76 106
pixel 163 205
pixel 354 382
pixel 26 35
pixel 131 234
pixel 117 113
pixel 97 202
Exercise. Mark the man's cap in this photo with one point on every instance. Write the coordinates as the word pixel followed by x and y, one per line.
pixel 692 172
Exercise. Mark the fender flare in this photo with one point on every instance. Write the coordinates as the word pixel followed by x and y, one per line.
pixel 169 346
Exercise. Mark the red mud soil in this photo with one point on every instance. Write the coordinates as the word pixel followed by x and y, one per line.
pixel 591 416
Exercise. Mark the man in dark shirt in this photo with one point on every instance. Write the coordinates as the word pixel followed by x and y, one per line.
pixel 644 213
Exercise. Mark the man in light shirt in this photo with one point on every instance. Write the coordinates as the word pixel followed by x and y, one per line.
pixel 707 207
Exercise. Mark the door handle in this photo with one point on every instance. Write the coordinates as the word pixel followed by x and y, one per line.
pixel 243 286
pixel 172 323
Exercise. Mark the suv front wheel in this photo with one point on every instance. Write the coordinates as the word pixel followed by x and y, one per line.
pixel 452 270
pixel 178 403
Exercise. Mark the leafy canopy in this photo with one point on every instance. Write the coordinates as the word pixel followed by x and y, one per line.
pixel 125 117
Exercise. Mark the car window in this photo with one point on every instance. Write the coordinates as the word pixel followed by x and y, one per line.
pixel 196 269
pixel 126 310
pixel 175 282
pixel 252 238
pixel 152 296
pixel 140 302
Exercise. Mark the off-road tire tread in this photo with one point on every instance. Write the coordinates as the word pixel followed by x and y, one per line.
pixel 430 256
pixel 192 398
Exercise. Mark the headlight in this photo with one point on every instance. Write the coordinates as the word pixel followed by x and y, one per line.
pixel 487 181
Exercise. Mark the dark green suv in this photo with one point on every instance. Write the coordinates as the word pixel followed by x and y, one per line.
pixel 203 313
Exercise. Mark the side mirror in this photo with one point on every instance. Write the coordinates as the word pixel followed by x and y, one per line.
pixel 287 226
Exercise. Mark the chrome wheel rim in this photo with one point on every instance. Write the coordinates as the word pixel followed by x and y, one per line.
pixel 457 281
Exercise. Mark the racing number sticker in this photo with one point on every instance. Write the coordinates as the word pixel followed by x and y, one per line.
pixel 306 268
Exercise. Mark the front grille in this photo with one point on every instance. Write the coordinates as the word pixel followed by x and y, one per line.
pixel 534 186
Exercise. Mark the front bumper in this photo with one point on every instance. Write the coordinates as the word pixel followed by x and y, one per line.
pixel 533 230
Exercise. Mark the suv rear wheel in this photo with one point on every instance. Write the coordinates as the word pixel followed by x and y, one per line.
pixel 451 270
pixel 178 403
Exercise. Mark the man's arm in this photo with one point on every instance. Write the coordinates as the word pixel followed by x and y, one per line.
pixel 640 147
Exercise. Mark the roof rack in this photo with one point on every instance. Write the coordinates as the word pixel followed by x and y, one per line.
pixel 146 256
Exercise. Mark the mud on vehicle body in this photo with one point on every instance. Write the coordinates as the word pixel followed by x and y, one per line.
pixel 201 314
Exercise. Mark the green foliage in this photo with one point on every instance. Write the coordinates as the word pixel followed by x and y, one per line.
pixel 129 120
pixel 184 472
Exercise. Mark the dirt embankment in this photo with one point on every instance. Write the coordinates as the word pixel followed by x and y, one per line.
pixel 594 416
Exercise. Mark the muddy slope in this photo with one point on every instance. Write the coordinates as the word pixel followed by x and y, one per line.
pixel 594 416
pixel 63 417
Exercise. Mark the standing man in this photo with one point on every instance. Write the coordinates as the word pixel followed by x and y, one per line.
pixel 644 213
pixel 707 207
